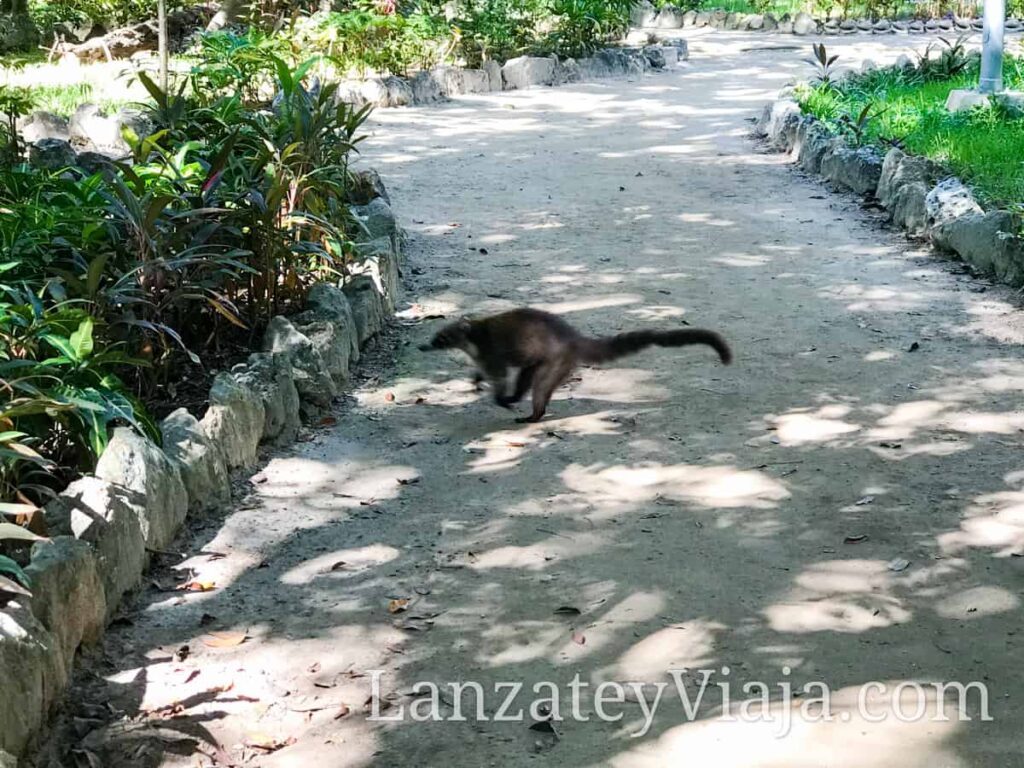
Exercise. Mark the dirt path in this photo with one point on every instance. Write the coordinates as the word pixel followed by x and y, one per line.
pixel 697 516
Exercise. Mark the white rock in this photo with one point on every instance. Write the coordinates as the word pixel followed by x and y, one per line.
pixel 100 514
pixel 159 499
pixel 235 419
pixel 201 464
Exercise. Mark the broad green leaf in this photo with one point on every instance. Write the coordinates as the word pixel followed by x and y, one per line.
pixel 14 532
pixel 81 340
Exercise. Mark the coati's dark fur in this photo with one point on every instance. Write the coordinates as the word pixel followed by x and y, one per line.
pixel 546 350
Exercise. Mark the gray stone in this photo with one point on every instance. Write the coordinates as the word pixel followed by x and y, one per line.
pixel 270 374
pixel 133 461
pixel 734 21
pixel 949 199
pixel 855 169
pixel 986 241
pixel 7 760
pixel 201 464
pixel 669 17
pixel 67 594
pixel 396 92
pixel 331 344
pixel 493 70
pixel 786 27
pixel 377 219
pixel 567 71
pixel 755 22
pixel 90 128
pixel 681 46
pixel 52 154
pixel 864 25
pixel 718 18
pixel 907 207
pixel 702 19
pixel 931 26
pixel 366 185
pixel 32 674
pixel 881 27
pixel 312 378
pixel 45 125
pixel 916 26
pixel 945 24
pixel 655 56
pixel 526 71
pixel 804 24
pixel 331 302
pixel 900 169
pixel 643 14
pixel 367 307
pixel 103 515
pixel 770 23
pixel 778 123
pixel 427 88
pixel 690 19
pixel 458 81
pixel 380 262
pixel 235 419
pixel 816 142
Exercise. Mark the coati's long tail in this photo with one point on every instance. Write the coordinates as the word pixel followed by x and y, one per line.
pixel 607 348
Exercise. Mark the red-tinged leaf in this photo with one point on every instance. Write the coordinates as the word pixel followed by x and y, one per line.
pixel 343 711
pixel 389 396
pixel 579 638
pixel 328 421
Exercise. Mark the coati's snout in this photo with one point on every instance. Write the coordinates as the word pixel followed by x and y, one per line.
pixel 452 336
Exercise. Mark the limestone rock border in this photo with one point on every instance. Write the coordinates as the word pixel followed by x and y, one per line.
pixel 915 192
pixel 669 17
pixel 104 527
pixel 653 50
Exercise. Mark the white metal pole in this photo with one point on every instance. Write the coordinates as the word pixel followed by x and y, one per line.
pixel 992 47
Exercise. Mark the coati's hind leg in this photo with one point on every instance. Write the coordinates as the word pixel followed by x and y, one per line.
pixel 523 382
pixel 546 380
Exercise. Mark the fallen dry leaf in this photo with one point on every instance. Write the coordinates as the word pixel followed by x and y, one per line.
pixel 267 743
pixel 579 638
pixel 328 421
pixel 390 397
pixel 224 639
pixel 343 711
pixel 398 605
pixel 197 586
pixel 567 610
pixel 515 444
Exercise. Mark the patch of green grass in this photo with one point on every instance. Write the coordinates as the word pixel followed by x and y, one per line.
pixel 65 99
pixel 984 147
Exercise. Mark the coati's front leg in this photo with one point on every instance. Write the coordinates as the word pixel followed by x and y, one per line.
pixel 523 382
pixel 478 380
pixel 497 375
pixel 547 378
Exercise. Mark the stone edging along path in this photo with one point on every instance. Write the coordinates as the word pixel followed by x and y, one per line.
pixel 646 16
pixel 916 193
pixel 441 83
pixel 104 527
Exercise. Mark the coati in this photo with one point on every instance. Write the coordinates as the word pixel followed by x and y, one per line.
pixel 546 350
